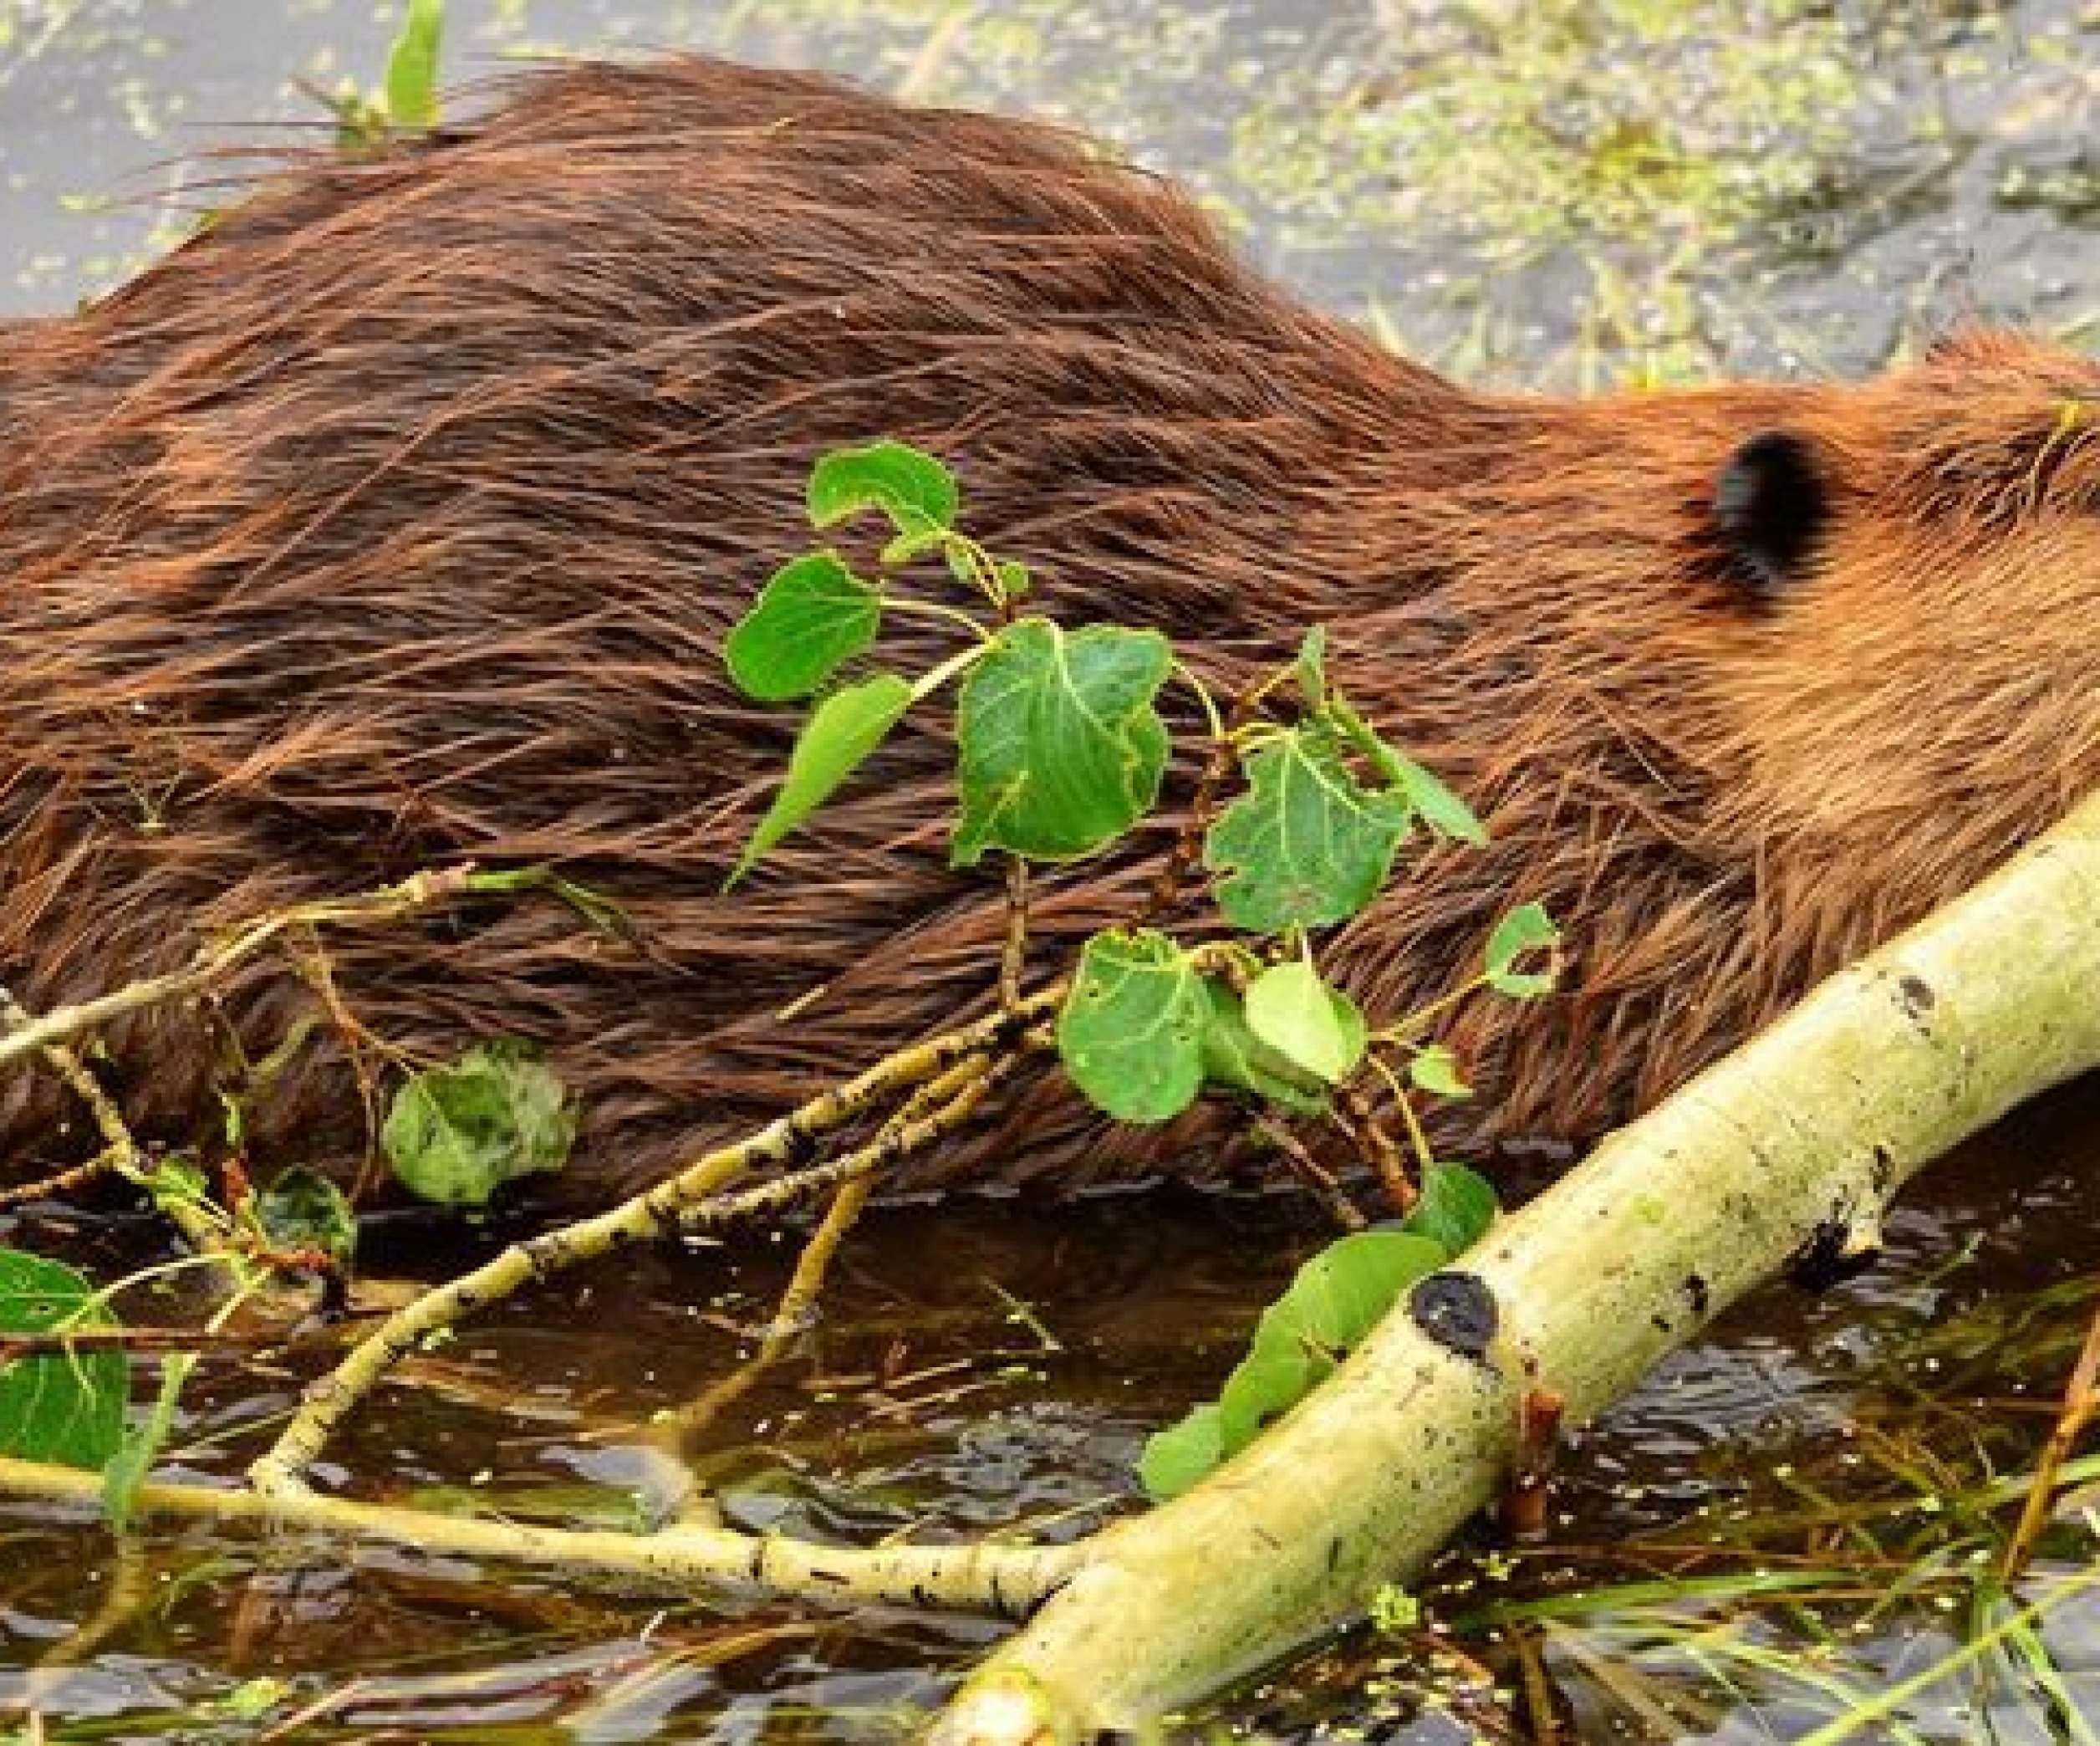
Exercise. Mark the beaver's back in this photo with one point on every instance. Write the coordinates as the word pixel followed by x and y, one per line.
pixel 398 519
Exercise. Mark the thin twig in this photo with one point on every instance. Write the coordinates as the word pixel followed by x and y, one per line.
pixel 1015 952
pixel 1359 1120
pixel 121 1154
pixel 66 1342
pixel 214 959
pixel 64 1184
pixel 359 1044
pixel 798 1302
pixel 1347 1214
pixel 691 1198
pixel 979 1575
pixel 1181 859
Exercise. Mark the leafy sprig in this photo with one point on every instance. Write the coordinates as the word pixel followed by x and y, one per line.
pixel 1061 749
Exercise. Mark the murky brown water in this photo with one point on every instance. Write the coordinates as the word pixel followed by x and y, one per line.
pixel 981 1364
pixel 1841 175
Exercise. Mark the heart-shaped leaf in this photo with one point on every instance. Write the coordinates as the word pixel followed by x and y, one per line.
pixel 1131 1031
pixel 914 490
pixel 455 1134
pixel 810 618
pixel 63 1407
pixel 1335 1299
pixel 1319 1028
pixel 1308 845
pixel 1061 749
pixel 1526 934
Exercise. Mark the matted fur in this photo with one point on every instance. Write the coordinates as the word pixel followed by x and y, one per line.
pixel 397 519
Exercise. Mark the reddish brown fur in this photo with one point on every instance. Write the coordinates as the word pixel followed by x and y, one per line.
pixel 398 519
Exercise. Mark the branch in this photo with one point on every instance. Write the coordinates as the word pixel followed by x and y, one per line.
pixel 1788 1152
pixel 692 1198
pixel 1006 1579
pixel 215 958
pixel 798 1307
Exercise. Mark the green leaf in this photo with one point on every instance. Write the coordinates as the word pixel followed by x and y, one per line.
pixel 126 1469
pixel 1424 795
pixel 1296 1013
pixel 302 1209
pixel 811 618
pixel 1435 1070
pixel 902 547
pixel 1335 1299
pixel 1281 1368
pixel 456 1135
pixel 1455 1209
pixel 840 733
pixel 1060 750
pixel 64 1408
pixel 1523 933
pixel 913 489
pixel 1311 668
pixel 411 68
pixel 1175 1458
pixel 1131 1031
pixel 1343 1292
pixel 1436 805
pixel 1308 844
pixel 1014 579
pixel 1233 1057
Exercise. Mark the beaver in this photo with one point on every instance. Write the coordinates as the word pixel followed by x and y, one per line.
pixel 397 520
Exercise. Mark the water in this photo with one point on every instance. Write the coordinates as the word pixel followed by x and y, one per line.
pixel 1525 191
pixel 1547 194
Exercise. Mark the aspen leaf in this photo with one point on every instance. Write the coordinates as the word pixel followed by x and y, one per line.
pixel 1334 1300
pixel 1308 845
pixel 809 619
pixel 411 69
pixel 1425 794
pixel 1060 748
pixel 1311 668
pixel 1318 1029
pixel 61 1407
pixel 914 490
pixel 1435 1070
pixel 1455 1209
pixel 456 1133
pixel 302 1209
pixel 1525 934
pixel 840 733
pixel 1234 1058
pixel 1130 1033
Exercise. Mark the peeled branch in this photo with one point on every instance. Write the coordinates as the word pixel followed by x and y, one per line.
pixel 1785 1155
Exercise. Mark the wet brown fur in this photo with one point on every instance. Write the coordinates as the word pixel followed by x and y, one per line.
pixel 397 519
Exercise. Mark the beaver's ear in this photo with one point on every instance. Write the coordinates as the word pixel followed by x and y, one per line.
pixel 1771 507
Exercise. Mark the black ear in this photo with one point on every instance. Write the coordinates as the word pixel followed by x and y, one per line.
pixel 1771 507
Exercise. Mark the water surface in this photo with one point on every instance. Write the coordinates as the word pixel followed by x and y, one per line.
pixel 1556 194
